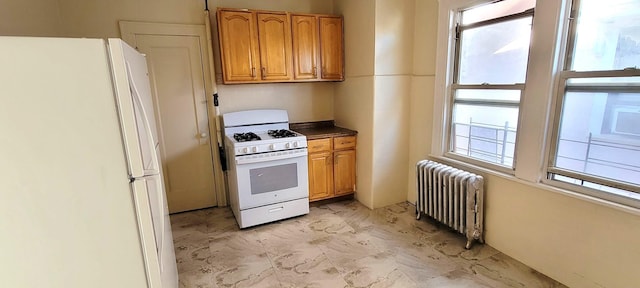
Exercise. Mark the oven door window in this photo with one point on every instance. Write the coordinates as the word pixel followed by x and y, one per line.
pixel 273 178
pixel 268 182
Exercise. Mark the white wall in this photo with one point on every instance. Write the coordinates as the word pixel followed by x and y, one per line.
pixel 29 18
pixel 422 88
pixel 579 243
pixel 304 102
pixel 354 97
pixel 353 109
pixel 375 97
pixel 394 27
pixel 391 136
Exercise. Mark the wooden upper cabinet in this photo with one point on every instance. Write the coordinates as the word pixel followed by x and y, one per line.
pixel 274 36
pixel 238 46
pixel 270 46
pixel 331 48
pixel 318 50
pixel 305 47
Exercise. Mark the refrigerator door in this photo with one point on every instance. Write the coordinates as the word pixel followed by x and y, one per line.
pixel 162 229
pixel 142 148
pixel 147 236
pixel 146 132
pixel 136 108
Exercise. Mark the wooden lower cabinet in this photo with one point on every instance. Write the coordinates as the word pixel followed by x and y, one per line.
pixel 320 175
pixel 344 169
pixel 332 167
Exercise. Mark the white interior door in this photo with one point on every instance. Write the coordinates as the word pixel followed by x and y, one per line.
pixel 177 81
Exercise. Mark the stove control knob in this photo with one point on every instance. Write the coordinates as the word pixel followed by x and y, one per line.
pixel 254 149
pixel 245 150
pixel 295 144
pixel 287 145
pixel 272 146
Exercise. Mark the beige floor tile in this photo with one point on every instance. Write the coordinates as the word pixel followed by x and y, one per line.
pixel 378 270
pixel 340 244
pixel 192 251
pixel 248 275
pixel 455 279
pixel 199 278
pixel 236 250
pixel 503 271
pixel 306 266
pixel 343 249
pixel 280 238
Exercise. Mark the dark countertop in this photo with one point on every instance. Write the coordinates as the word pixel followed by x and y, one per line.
pixel 321 129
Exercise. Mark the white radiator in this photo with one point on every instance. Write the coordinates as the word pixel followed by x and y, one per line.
pixel 451 196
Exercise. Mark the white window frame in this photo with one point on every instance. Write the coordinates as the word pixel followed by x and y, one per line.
pixel 559 95
pixel 455 86
pixel 534 109
pixel 537 114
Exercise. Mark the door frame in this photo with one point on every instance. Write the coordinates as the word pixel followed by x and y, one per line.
pixel 128 32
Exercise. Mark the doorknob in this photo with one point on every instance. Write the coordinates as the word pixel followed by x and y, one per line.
pixel 203 135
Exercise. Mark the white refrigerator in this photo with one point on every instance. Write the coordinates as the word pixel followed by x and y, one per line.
pixel 81 188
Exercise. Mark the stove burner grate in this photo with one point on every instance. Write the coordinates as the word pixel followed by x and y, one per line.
pixel 244 137
pixel 281 133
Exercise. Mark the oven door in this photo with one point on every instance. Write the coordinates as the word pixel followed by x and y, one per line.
pixel 272 179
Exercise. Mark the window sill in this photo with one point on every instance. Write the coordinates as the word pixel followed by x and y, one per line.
pixel 473 162
pixel 539 185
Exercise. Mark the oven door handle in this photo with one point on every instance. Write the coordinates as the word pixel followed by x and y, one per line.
pixel 267 157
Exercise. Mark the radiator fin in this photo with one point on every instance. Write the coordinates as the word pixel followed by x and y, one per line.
pixel 451 196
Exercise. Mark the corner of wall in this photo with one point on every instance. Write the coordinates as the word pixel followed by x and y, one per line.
pixel 58 13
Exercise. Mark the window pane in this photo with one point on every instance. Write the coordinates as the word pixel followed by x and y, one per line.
pixel 495 53
pixel 488 94
pixel 599 135
pixel 485 132
pixel 496 10
pixel 607 35
pixel 605 80
pixel 597 186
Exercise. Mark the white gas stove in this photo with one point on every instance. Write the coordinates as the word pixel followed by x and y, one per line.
pixel 268 178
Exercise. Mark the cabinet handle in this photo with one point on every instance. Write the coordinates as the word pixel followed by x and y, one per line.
pixel 315 71
pixel 253 72
pixel 263 70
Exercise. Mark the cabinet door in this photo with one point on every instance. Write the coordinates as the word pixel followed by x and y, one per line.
pixel 320 176
pixel 331 50
pixel 238 46
pixel 275 46
pixel 344 169
pixel 305 47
